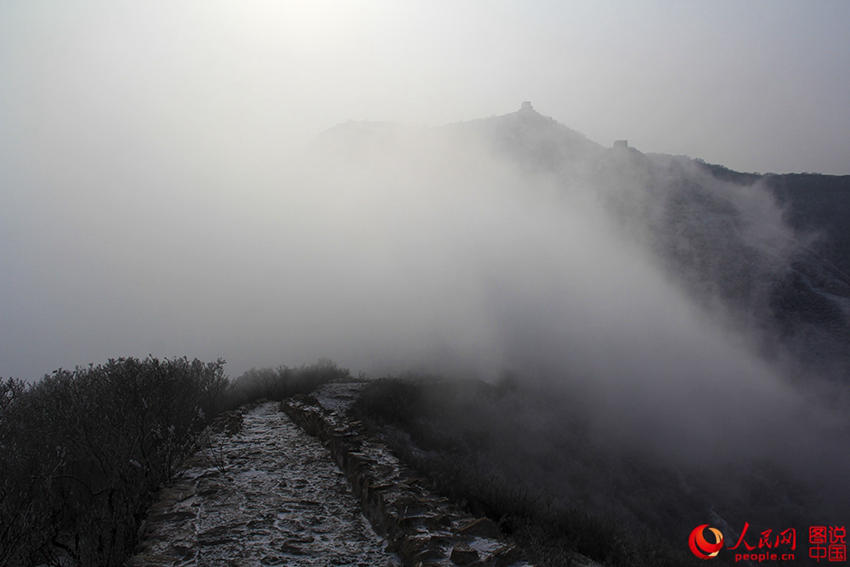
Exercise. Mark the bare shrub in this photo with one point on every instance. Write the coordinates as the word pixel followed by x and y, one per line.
pixel 81 452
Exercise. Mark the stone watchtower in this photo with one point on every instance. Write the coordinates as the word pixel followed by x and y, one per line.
pixel 526 106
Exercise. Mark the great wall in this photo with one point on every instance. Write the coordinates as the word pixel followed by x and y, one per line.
pixel 301 483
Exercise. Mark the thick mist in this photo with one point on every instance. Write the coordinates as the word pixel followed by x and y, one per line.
pixel 391 249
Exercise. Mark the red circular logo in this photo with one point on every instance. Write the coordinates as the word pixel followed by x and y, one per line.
pixel 700 546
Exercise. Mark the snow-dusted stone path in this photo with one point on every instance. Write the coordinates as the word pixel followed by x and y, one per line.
pixel 267 495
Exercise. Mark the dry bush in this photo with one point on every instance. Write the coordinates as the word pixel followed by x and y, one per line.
pixel 283 381
pixel 82 451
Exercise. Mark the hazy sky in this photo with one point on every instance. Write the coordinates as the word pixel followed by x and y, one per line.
pixel 163 191
pixel 148 204
pixel 757 86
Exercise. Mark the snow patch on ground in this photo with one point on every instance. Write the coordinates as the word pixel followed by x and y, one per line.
pixel 269 495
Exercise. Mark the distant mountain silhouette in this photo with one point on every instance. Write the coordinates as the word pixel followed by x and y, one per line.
pixel 774 248
pixel 533 139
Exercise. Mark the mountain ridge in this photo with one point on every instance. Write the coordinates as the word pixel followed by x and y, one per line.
pixel 772 246
pixel 527 117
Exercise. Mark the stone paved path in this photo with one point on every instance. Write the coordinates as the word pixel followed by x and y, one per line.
pixel 268 495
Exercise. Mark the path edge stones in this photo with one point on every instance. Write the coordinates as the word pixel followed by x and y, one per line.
pixel 425 530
